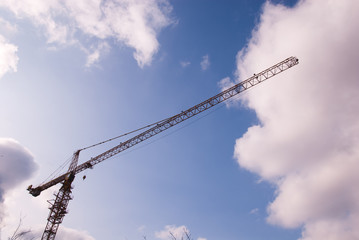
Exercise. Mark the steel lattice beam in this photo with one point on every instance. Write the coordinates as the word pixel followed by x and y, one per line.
pixel 170 122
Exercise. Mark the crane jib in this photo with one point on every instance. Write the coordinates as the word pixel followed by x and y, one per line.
pixel 172 121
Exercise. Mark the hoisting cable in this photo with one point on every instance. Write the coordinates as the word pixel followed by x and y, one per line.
pixel 111 139
pixel 180 128
pixel 59 169
pixel 55 173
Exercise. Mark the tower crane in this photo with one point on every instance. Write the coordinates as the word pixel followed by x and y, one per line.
pixel 58 208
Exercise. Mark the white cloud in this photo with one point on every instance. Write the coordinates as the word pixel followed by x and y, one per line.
pixel 254 211
pixel 8 57
pixel 141 228
pixel 225 83
pixel 185 63
pixel 16 165
pixel 134 23
pixel 172 231
pixel 177 232
pixel 7 27
pixel 307 144
pixel 205 63
pixel 96 53
pixel 65 233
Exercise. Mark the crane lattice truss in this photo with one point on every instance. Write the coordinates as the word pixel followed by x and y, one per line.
pixel 59 206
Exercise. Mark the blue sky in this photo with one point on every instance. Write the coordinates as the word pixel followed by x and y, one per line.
pixel 256 168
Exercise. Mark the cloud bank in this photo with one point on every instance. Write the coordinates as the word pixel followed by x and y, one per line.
pixel 134 23
pixel 307 142
pixel 16 165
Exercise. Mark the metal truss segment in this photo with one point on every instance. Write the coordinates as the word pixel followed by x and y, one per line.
pixel 170 122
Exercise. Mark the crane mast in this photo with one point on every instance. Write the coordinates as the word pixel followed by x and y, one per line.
pixel 59 205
